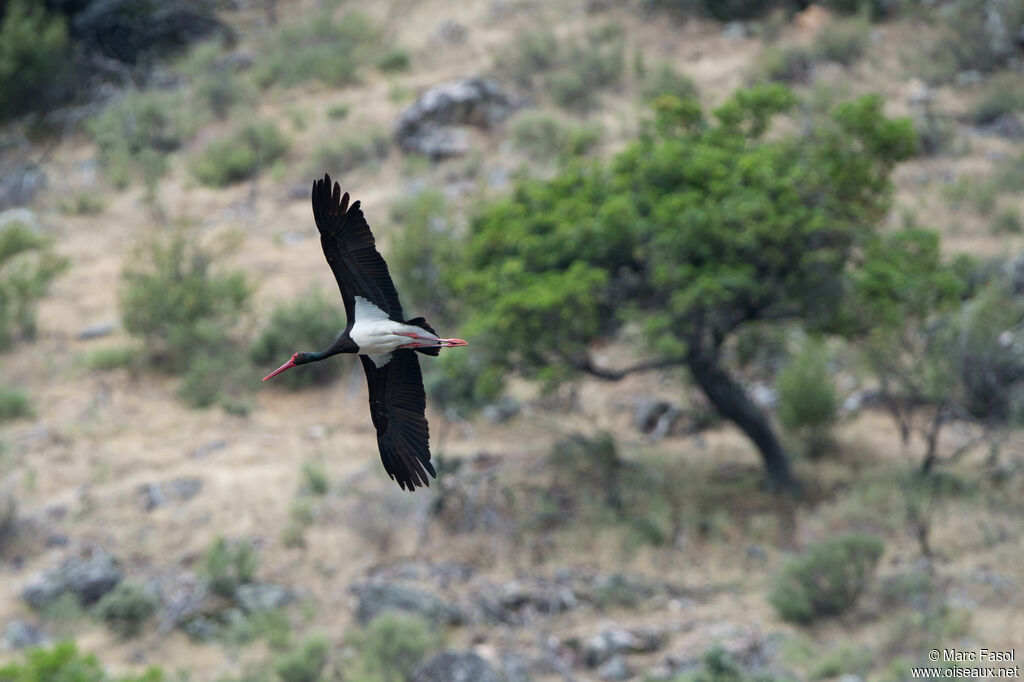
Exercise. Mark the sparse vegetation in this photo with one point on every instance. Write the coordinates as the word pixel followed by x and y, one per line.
pixel 544 136
pixel 28 264
pixel 395 59
pixel 305 664
pixel 314 478
pixel 230 564
pixel 665 80
pixel 791 64
pixel 1007 221
pixel 1004 94
pixel 105 359
pixel 319 47
pixel 126 608
pixel 14 403
pixel 388 648
pixel 350 151
pixel 184 312
pixel 33 56
pixel 240 155
pixel 83 202
pixel 843 41
pixel 828 580
pixel 64 663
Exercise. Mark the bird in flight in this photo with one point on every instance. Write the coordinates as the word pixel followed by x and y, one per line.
pixel 377 330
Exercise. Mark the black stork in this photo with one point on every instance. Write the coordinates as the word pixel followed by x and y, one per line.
pixel 377 330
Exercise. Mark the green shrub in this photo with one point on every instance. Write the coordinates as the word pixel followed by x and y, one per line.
pixel 544 136
pixel 228 565
pixel 665 80
pixel 1008 221
pixel 27 266
pixel 337 112
pixel 978 194
pixel 843 41
pixel 82 202
pixel 126 608
pixel 63 663
pixel 1004 94
pixel 240 155
pixel 350 151
pixel 136 133
pixel 306 663
pixel 310 323
pixel 388 648
pixel 808 405
pixel 14 403
pixel 395 59
pixel 968 42
pixel 529 54
pixel 105 359
pixel 314 478
pixel 222 90
pixel 318 48
pixel 827 580
pixel 33 56
pixel 792 64
pixel 173 299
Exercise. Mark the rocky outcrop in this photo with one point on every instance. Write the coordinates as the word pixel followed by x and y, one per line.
pixel 87 577
pixel 376 598
pixel 435 125
pixel 454 666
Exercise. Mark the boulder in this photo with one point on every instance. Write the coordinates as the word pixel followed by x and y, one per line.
pixel 263 596
pixel 20 181
pixel 20 634
pixel 88 577
pixel 615 669
pixel 129 30
pixel 434 125
pixel 376 598
pixel 613 641
pixel 454 666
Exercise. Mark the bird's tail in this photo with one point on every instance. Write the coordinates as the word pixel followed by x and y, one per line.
pixel 422 323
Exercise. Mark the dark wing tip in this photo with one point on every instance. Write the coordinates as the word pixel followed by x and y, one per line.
pixel 328 202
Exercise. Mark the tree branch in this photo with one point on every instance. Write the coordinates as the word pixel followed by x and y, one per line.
pixel 586 365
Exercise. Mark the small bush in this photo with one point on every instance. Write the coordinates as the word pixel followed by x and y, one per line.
pixel 314 478
pixel 106 359
pixel 968 40
pixel 63 663
pixel 222 90
pixel 126 608
pixel 184 312
pixel 388 648
pixel 1008 221
pixel 305 664
pixel 350 152
pixel 318 48
pixel 82 202
pixel 529 54
pixel 240 155
pixel 1004 94
pixel 228 565
pixel 27 266
pixel 309 323
pixel 14 403
pixel 395 59
pixel 33 55
pixel 337 112
pixel 978 194
pixel 792 64
pixel 544 136
pixel 589 68
pixel 665 80
pixel 827 580
pixel 808 404
pixel 843 41
pixel 136 133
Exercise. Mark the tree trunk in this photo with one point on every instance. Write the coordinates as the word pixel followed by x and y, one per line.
pixel 732 402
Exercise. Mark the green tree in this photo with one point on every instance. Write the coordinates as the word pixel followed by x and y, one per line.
pixel 699 227
pixel 33 50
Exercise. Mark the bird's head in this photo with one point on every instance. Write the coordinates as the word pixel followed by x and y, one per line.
pixel 296 359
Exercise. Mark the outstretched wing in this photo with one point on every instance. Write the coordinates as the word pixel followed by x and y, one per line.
pixel 398 405
pixel 351 251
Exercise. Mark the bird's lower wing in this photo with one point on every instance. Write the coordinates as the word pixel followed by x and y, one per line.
pixel 398 406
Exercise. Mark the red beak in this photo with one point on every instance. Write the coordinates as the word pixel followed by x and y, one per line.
pixel 287 365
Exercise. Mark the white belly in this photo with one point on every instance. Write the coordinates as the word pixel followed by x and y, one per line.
pixel 378 336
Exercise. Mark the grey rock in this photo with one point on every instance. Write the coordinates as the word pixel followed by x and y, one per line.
pixel 263 596
pixel 647 412
pixel 95 331
pixel 452 32
pixel 201 628
pixel 376 598
pixel 155 495
pixel 152 496
pixel 205 449
pixel 613 641
pixel 88 577
pixel 514 668
pixel 185 487
pixel 1008 126
pixel 432 126
pixel 21 634
pixel 763 395
pixel 735 30
pixel 501 411
pixel 850 678
pixel 615 669
pixel 864 398
pixel 20 181
pixel 454 666
pixel 25 216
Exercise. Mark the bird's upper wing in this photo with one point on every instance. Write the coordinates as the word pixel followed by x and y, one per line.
pixel 397 406
pixel 351 251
